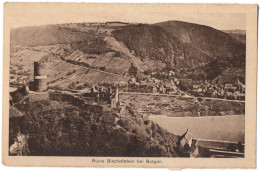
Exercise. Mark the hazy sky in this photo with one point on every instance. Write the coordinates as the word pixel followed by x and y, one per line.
pixel 41 14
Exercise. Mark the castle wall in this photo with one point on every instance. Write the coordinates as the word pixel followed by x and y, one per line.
pixel 36 96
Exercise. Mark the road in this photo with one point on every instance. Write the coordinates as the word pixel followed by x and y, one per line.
pixel 168 95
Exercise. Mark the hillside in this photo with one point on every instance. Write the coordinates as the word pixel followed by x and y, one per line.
pixel 47 35
pixel 59 128
pixel 242 32
pixel 223 70
pixel 208 40
pixel 240 35
pixel 183 46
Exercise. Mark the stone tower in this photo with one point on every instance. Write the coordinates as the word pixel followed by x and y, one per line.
pixel 40 76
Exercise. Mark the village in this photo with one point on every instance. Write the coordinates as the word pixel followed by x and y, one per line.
pixel 174 86
pixel 224 91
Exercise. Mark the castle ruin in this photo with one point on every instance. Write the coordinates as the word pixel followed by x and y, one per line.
pixel 40 77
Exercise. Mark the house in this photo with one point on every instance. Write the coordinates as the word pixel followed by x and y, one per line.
pixel 172 93
pixel 137 83
pixel 122 83
pixel 243 88
pixel 233 89
pixel 210 91
pixel 229 94
pixel 195 86
pixel 199 90
pixel 228 86
pixel 150 84
pixel 143 83
pixel 162 89
pixel 154 89
pixel 239 96
pixel 171 73
pixel 222 92
pixel 157 81
pixel 133 79
pixel 215 148
pixel 214 94
pixel 168 85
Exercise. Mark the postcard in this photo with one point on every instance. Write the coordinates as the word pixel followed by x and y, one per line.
pixel 130 85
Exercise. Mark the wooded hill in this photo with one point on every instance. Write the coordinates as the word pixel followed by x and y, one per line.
pixel 184 46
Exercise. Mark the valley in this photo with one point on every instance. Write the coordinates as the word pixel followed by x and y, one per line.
pixel 140 85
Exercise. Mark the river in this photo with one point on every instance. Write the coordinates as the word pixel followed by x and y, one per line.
pixel 224 128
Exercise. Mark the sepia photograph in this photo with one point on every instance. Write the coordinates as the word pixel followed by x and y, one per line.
pixel 162 85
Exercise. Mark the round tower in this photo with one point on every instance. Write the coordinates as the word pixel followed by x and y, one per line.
pixel 40 76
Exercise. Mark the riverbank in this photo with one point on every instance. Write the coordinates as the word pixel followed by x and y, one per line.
pixel 224 128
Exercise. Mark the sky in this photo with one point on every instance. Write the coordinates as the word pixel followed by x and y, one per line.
pixel 222 18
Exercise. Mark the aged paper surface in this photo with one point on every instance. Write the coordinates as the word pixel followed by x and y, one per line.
pixel 129 85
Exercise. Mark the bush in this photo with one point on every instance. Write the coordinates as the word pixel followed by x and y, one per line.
pixel 97 46
pixel 132 71
pixel 117 54
pixel 20 67
pixel 91 57
pixel 146 122
pixel 17 97
pixel 72 86
pixel 102 68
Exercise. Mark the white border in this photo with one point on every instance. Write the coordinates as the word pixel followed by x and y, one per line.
pixel 121 1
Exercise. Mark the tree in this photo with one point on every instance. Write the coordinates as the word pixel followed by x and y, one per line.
pixel 117 54
pixel 102 68
pixel 17 97
pixel 132 71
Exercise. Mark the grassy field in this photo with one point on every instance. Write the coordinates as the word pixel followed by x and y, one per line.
pixel 21 65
